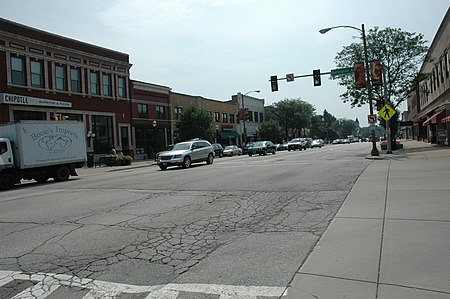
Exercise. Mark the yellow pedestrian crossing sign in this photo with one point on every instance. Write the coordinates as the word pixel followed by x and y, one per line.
pixel 386 112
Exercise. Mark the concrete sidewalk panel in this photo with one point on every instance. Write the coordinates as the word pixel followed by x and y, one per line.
pixel 420 205
pixel 419 182
pixel 350 248
pixel 416 254
pixel 392 292
pixel 312 287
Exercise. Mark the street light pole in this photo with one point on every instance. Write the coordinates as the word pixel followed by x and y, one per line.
pixel 243 109
pixel 374 151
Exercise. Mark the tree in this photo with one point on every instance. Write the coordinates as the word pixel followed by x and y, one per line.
pixel 195 123
pixel 292 115
pixel 400 52
pixel 344 127
pixel 269 130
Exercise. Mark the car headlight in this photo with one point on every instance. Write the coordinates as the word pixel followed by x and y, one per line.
pixel 177 156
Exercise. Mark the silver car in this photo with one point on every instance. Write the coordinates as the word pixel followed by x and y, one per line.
pixel 185 153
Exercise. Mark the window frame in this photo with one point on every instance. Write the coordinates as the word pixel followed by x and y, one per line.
pixel 160 112
pixel 60 79
pixel 121 87
pixel 75 82
pixel 106 84
pixel 18 75
pixel 40 75
pixel 142 113
pixel 94 86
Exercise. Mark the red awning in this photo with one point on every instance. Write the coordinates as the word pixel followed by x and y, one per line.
pixel 436 118
pixel 445 120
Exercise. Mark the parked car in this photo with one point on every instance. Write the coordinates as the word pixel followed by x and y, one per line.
pixel 281 146
pixel 218 150
pixel 231 150
pixel 245 147
pixel 297 144
pixel 262 148
pixel 317 143
pixel 185 153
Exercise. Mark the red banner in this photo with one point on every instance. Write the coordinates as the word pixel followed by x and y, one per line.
pixel 360 76
pixel 375 72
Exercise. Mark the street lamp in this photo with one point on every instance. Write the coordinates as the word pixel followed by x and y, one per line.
pixel 374 151
pixel 243 109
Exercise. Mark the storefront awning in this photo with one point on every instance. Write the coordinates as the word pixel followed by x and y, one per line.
pixel 445 120
pixel 228 134
pixel 436 118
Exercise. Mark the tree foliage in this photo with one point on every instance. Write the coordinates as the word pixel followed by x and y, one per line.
pixel 344 127
pixel 400 52
pixel 195 123
pixel 269 130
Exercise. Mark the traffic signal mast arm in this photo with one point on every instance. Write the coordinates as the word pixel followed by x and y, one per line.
pixel 303 76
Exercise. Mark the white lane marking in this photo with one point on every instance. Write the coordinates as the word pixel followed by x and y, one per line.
pixel 49 282
pixel 37 291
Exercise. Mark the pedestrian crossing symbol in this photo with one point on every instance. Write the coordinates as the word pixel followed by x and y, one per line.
pixel 386 112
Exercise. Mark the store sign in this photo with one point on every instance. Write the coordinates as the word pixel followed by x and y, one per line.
pixel 14 99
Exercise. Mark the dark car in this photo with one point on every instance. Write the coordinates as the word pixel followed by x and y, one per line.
pixel 245 147
pixel 297 144
pixel 218 150
pixel 262 148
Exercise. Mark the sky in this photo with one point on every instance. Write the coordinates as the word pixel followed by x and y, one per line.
pixel 217 48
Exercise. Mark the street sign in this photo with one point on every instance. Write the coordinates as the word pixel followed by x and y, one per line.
pixel 372 119
pixel 289 77
pixel 343 71
pixel 386 112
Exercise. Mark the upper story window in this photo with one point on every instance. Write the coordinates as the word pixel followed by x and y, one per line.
pixel 60 77
pixel 122 90
pixel 216 117
pixel 231 118
pixel 75 79
pixel 36 68
pixel 256 116
pixel 94 82
pixel 106 81
pixel 142 110
pixel 18 70
pixel 446 62
pixel 178 111
pixel 261 117
pixel 224 118
pixel 160 112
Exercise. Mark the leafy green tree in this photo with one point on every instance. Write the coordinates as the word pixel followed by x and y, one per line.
pixel 344 127
pixel 195 123
pixel 293 115
pixel 318 129
pixel 269 130
pixel 400 52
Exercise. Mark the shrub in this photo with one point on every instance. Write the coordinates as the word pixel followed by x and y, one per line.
pixel 117 160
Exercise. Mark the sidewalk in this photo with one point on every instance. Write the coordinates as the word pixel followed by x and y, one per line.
pixel 86 171
pixel 391 237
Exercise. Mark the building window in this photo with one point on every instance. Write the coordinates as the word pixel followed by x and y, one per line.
pixel 29 115
pixel 441 66
pixel 142 110
pixel 93 79
pixel 18 70
pixel 102 126
pixel 60 77
pixel 160 113
pixel 106 81
pixel 122 91
pixel 36 68
pixel 446 64
pixel 437 75
pixel 224 118
pixel 256 116
pixel 178 112
pixel 75 79
pixel 216 117
pixel 261 117
pixel 231 118
pixel 250 115
pixel 124 137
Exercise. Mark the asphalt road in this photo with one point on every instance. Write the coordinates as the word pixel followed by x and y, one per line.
pixel 241 226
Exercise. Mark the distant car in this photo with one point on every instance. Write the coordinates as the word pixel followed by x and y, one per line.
pixel 262 148
pixel 218 150
pixel 185 153
pixel 281 146
pixel 346 141
pixel 317 143
pixel 245 147
pixel 337 141
pixel 231 150
pixel 297 144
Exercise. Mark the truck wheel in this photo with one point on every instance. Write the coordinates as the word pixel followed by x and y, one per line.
pixel 62 174
pixel 7 181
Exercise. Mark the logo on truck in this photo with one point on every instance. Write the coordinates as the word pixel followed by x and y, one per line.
pixel 55 143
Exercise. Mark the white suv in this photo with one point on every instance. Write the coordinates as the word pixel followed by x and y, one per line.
pixel 186 153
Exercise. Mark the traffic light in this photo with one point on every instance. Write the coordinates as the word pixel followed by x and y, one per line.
pixel 316 78
pixel 274 83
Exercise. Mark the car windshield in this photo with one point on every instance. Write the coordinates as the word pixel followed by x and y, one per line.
pixel 296 140
pixel 259 143
pixel 181 146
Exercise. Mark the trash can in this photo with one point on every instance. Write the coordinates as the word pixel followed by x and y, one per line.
pixel 90 160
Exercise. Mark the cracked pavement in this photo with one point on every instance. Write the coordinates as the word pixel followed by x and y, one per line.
pixel 144 235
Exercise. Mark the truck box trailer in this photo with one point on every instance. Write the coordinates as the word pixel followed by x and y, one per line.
pixel 40 150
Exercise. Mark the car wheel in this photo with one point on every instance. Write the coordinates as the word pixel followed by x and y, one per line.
pixel 249 155
pixel 289 150
pixel 274 152
pixel 186 162
pixel 220 155
pixel 210 159
pixel 163 167
pixel 231 154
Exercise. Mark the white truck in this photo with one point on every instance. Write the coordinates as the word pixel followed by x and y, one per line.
pixel 39 150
